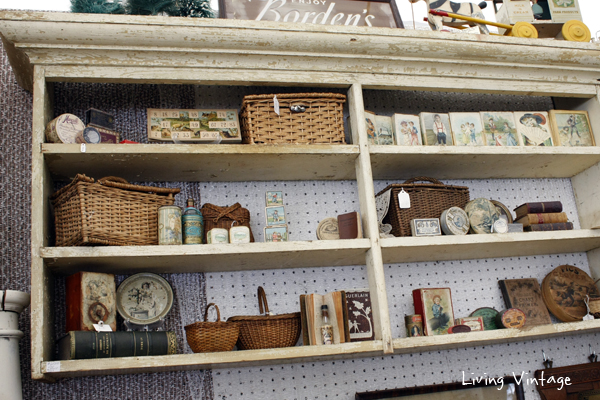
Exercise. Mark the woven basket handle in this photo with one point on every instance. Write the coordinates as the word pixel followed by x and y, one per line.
pixel 262 298
pixel 423 178
pixel 216 308
pixel 227 211
pixel 112 179
pixel 116 182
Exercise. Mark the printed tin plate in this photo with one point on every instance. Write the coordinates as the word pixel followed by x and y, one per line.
pixel 482 215
pixel 144 298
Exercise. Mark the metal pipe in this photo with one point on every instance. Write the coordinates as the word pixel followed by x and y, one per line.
pixel 12 302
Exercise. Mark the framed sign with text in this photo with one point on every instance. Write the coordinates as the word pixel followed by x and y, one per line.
pixel 378 13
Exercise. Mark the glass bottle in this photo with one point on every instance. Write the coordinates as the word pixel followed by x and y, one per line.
pixel 193 224
pixel 326 328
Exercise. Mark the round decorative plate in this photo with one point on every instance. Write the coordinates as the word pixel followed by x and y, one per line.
pixel 503 211
pixel 489 317
pixel 144 298
pixel 328 229
pixel 455 221
pixel 564 290
pixel 482 214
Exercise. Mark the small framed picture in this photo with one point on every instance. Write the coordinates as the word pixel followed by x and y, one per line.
pixel 533 128
pixel 438 314
pixel 571 128
pixel 407 129
pixel 275 215
pixel 385 130
pixel 276 234
pixel 274 198
pixel 467 129
pixel 435 128
pixel 499 128
pixel 371 127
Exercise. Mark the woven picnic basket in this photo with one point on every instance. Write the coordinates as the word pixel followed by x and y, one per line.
pixel 427 200
pixel 304 118
pixel 225 217
pixel 267 331
pixel 110 212
pixel 205 336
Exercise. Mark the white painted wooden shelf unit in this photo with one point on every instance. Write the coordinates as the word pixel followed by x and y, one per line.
pixel 56 47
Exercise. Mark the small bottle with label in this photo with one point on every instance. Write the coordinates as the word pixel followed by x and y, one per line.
pixel 326 328
pixel 193 224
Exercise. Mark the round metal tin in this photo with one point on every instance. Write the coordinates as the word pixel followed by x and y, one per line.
pixel 91 135
pixel 66 128
pixel 512 318
pixel 500 226
pixel 144 298
pixel 328 229
pixel 414 325
pixel 169 225
pixel 503 210
pixel 489 317
pixel 482 214
pixel 455 221
pixel 459 329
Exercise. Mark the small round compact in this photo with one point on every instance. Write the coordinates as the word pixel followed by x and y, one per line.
pixel 513 318
pixel 91 135
pixel 144 298
pixel 455 221
pixel 482 215
pixel 500 226
pixel 328 229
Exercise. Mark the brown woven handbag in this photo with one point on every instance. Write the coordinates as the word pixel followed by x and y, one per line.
pixel 225 217
pixel 427 200
pixel 204 337
pixel 267 331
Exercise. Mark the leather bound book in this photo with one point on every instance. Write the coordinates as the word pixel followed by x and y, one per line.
pixel 360 315
pixel 349 226
pixel 82 344
pixel 526 295
pixel 543 218
pixel 538 207
pixel 559 226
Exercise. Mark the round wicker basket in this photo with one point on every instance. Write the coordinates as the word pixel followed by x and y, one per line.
pixel 205 337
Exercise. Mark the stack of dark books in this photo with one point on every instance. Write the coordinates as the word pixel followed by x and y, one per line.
pixel 542 216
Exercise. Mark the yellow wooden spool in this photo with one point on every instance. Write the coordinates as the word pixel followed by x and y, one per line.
pixel 576 31
pixel 524 30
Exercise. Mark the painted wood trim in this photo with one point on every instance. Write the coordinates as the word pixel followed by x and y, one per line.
pixel 22 68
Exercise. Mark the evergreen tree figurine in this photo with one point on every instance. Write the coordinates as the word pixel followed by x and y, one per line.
pixel 195 9
pixel 152 7
pixel 97 7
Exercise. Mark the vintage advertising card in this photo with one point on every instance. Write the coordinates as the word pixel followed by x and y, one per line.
pixel 275 215
pixel 274 198
pixel 385 130
pixel 571 128
pixel 534 128
pixel 194 126
pixel 371 125
pixel 407 129
pixel 467 129
pixel 499 128
pixel 435 128
pixel 276 234
pixel 435 305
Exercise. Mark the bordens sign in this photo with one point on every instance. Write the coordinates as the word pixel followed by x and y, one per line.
pixel 324 12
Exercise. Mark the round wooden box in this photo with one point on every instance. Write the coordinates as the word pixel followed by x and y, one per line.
pixel 564 291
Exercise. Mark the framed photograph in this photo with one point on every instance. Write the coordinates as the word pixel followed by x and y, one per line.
pixel 276 234
pixel 467 129
pixel 274 198
pixel 435 128
pixel 435 305
pixel 533 128
pixel 571 128
pixel 505 388
pixel 371 127
pixel 275 215
pixel 407 130
pixel 385 130
pixel 499 128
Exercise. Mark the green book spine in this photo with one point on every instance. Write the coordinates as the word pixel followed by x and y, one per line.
pixel 81 344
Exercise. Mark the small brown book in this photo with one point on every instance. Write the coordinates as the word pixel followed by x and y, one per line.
pixel 545 218
pixel 558 226
pixel 526 295
pixel 349 226
pixel 538 207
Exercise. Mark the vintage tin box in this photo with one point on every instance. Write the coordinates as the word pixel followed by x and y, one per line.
pixel 99 118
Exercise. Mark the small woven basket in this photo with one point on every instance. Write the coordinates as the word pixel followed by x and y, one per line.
pixel 304 118
pixel 267 331
pixel 110 212
pixel 225 217
pixel 427 200
pixel 205 337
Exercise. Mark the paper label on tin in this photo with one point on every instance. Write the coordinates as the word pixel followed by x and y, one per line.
pixel 403 199
pixel 276 105
pixel 53 366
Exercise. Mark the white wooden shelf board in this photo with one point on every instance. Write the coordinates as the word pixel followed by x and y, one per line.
pixel 473 246
pixel 199 163
pixel 206 257
pixel 230 359
pixel 462 162
pixel 487 338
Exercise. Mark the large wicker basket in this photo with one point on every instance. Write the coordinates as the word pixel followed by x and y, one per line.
pixel 267 331
pixel 225 217
pixel 110 212
pixel 205 337
pixel 427 200
pixel 304 118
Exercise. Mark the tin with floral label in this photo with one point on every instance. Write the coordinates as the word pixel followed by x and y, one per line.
pixel 169 225
pixel 414 325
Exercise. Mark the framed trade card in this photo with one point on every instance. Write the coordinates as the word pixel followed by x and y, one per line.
pixel 276 234
pixel 533 128
pixel 499 128
pixel 438 314
pixel 385 130
pixel 571 128
pixel 467 129
pixel 275 215
pixel 407 130
pixel 371 127
pixel 435 129
pixel 274 198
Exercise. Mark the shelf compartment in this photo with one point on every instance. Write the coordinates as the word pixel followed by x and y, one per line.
pixel 206 257
pixel 481 162
pixel 201 163
pixel 228 359
pixel 487 338
pixel 468 247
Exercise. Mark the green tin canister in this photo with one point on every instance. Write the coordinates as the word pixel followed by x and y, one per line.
pixel 169 225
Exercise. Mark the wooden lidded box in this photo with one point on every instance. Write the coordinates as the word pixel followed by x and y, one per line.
pixel 293 118
pixel 91 297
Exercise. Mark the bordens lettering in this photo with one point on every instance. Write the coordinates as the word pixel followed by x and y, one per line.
pixel 270 12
